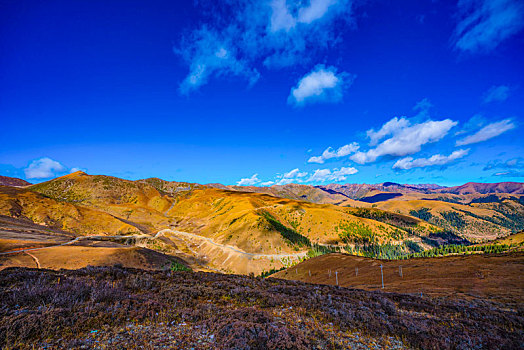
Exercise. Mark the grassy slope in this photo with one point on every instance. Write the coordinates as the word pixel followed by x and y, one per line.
pixel 75 257
pixel 251 222
pixel 230 217
pixel 476 222
pixel 495 277
pixel 59 214
pixel 239 218
pixel 135 201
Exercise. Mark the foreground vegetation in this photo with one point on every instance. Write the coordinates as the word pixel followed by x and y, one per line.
pixel 114 307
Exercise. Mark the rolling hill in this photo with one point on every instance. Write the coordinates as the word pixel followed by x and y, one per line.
pixel 254 229
pixel 228 230
pixel 476 212
pixel 62 215
pixel 13 181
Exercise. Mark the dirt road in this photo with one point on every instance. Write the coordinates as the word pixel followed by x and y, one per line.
pixel 231 248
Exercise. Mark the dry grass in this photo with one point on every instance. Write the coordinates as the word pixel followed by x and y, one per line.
pixel 113 307
pixel 493 277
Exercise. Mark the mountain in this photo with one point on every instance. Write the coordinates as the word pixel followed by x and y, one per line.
pixel 475 212
pixel 253 229
pixel 13 181
pixel 228 230
pixel 485 188
pixel 334 193
pixel 292 191
pixel 59 214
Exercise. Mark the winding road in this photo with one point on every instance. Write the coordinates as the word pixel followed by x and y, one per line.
pixel 163 232
pixel 228 247
pixel 80 238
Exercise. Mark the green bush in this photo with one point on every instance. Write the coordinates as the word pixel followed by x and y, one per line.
pixel 289 234
pixel 356 232
pixel 422 213
pixel 176 266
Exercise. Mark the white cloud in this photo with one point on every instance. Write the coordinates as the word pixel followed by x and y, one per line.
pixel 437 159
pixel 267 183
pixel 212 53
pixel 497 93
pixel 250 181
pixel 316 159
pixel 484 24
pixel 489 131
pixel 43 168
pixel 320 175
pixel 281 19
pixel 323 175
pixel 294 175
pixel 316 10
pixel 389 128
pixel 340 152
pixel 474 123
pixel 239 35
pixel 406 140
pixel 320 85
pixel 511 173
pixel 286 181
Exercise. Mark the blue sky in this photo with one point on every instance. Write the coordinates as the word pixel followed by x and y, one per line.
pixel 263 92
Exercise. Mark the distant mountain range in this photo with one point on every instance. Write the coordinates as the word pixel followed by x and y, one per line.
pixel 338 193
pixel 353 191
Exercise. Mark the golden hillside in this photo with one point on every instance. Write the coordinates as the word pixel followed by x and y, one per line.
pixel 134 201
pixel 16 202
pixel 228 230
pixel 476 222
pixel 244 231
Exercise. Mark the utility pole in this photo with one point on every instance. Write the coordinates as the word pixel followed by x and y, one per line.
pixel 382 274
pixel 400 270
pixel 330 273
pixel 336 276
pixel 309 273
pixel 356 271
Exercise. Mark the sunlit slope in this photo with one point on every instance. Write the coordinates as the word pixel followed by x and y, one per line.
pixel 516 239
pixel 15 202
pixel 298 192
pixel 134 201
pixel 76 257
pixel 475 222
pixel 246 232
pixel 261 223
pixel 253 222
